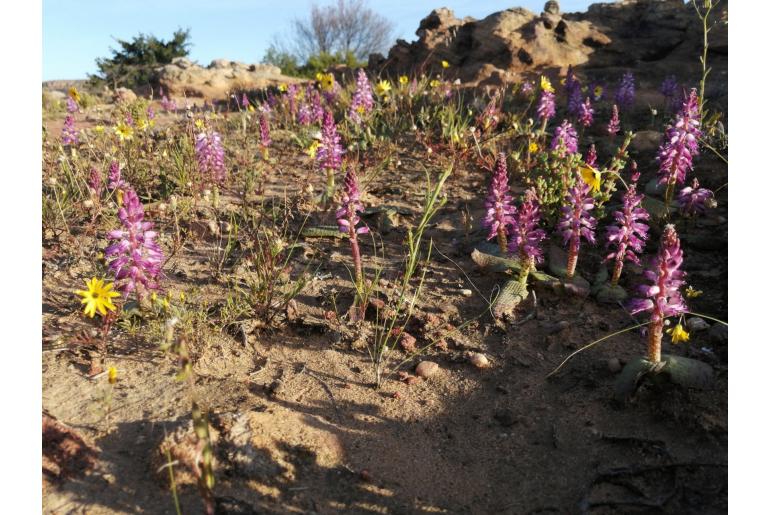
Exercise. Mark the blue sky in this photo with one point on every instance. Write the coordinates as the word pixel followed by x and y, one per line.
pixel 76 33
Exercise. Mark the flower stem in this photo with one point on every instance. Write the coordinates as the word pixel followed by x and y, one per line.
pixel 572 258
pixel 655 341
pixel 617 270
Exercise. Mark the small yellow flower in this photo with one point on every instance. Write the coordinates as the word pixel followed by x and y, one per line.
pixel 383 88
pixel 112 375
pixel 563 81
pixel 598 90
pixel 283 88
pixel 74 94
pixel 199 123
pixel 435 83
pixel 251 108
pixel 142 124
pixel 99 129
pixel 319 76
pixel 98 297
pixel 154 297
pixel 165 303
pixel 678 334
pixel 403 80
pixel 181 296
pixel 312 149
pixel 691 292
pixel 444 64
pixel 533 147
pixel 545 84
pixel 326 80
pixel 591 176
pixel 120 197
pixel 124 131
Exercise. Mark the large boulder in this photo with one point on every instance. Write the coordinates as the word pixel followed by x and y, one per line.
pixel 659 36
pixel 218 79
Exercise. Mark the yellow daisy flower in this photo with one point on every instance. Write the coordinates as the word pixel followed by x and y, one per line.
pixel 383 88
pixel 403 80
pixel 591 176
pixel 444 64
pixel 124 131
pixel 678 334
pixel 435 83
pixel 598 90
pixel 326 80
pixel 199 123
pixel 99 129
pixel 533 147
pixel 74 94
pixel 98 297
pixel 283 88
pixel 545 84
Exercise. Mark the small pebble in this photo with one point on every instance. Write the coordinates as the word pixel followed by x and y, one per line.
pixel 466 292
pixel 426 369
pixel 697 324
pixel 478 360
pixel 614 365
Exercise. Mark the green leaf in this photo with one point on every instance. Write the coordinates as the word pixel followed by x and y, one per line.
pixel 630 377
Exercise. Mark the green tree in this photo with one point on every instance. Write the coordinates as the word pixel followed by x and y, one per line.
pixel 134 63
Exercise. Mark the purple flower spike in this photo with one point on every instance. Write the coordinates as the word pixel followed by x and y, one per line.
pixel 329 154
pixel 347 214
pixel 586 113
pixel 626 93
pixel 135 258
pixel 694 200
pixel 662 298
pixel 527 88
pixel 166 104
pixel 348 219
pixel 69 134
pixel 574 96
pixel 627 237
pixel 526 237
pixel 363 101
pixel 546 108
pixel 669 87
pixel 264 131
pixel 211 155
pixel 499 205
pixel 113 179
pixel 576 222
pixel 304 114
pixel 680 143
pixel 614 126
pixel 564 139
pixel 591 156
pixel 95 183
pixel 245 101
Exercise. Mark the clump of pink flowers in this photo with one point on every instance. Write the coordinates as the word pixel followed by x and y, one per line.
pixel 662 298
pixel 69 134
pixel 694 200
pixel 576 222
pixel 680 144
pixel 135 258
pixel 363 101
pixel 211 155
pixel 114 180
pixel 526 236
pixel 499 205
pixel 564 139
pixel 627 236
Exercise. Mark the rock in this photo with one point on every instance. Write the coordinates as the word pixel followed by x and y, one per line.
pixel 408 342
pixel 551 7
pixel 654 37
pixel 718 334
pixel 613 364
pixel 426 369
pixel 466 293
pixel 696 324
pixel 218 79
pixel 478 360
pixel 124 95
